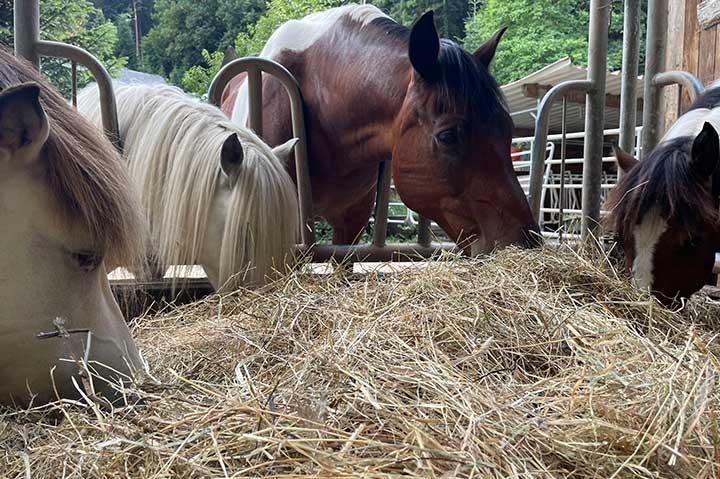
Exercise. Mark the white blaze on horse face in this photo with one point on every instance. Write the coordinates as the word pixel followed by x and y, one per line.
pixel 647 235
pixel 298 36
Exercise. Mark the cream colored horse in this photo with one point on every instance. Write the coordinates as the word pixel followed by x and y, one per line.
pixel 65 207
pixel 214 193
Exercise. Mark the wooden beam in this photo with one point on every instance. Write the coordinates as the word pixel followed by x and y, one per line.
pixel 708 13
pixel 535 90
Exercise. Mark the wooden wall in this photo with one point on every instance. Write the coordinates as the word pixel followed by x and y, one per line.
pixel 691 48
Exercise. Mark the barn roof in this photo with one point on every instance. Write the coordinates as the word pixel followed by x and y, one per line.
pixel 522 97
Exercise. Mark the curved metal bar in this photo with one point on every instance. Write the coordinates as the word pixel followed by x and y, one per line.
pixel 108 107
pixel 537 162
pixel 687 80
pixel 302 170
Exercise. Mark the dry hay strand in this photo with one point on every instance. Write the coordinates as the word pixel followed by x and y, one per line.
pixel 524 364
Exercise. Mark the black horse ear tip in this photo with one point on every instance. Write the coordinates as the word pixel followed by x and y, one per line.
pixel 708 127
pixel 428 16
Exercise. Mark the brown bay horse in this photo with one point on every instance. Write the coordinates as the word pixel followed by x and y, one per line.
pixel 664 211
pixel 375 90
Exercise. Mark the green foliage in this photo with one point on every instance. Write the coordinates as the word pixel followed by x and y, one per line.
pixel 6 21
pixel 183 28
pixel 125 46
pixel 540 33
pixel 196 81
pixel 76 22
pixel 449 14
pixel 278 12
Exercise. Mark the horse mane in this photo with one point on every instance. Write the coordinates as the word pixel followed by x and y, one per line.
pixel 84 172
pixel 173 145
pixel 463 80
pixel 663 181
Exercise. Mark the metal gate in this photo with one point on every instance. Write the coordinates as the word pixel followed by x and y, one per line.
pixel 594 87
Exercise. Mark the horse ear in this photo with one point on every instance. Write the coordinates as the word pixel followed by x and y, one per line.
pixel 231 156
pixel 230 55
pixel 705 152
pixel 284 151
pixel 23 123
pixel 424 46
pixel 625 160
pixel 486 52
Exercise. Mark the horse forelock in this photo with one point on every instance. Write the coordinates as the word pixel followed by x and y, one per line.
pixel 463 84
pixel 664 183
pixel 173 145
pixel 84 172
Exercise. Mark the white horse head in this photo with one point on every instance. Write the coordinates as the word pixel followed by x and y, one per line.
pixel 213 192
pixel 65 206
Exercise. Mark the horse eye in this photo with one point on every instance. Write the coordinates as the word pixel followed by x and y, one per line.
pixel 448 137
pixel 87 260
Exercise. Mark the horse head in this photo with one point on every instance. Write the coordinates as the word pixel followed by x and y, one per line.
pixel 451 153
pixel 665 214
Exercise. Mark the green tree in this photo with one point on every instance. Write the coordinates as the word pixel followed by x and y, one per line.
pixel 450 15
pixel 6 21
pixel 184 28
pixel 196 81
pixel 540 33
pixel 76 22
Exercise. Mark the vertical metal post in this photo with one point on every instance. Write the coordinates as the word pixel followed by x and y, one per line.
pixel 563 155
pixel 73 83
pixel 594 116
pixel 254 79
pixel 27 30
pixel 383 202
pixel 424 231
pixel 628 93
pixel 654 63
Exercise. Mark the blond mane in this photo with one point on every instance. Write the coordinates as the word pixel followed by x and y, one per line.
pixel 84 171
pixel 173 145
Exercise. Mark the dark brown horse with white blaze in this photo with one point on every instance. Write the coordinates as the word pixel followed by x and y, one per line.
pixel 374 91
pixel 665 209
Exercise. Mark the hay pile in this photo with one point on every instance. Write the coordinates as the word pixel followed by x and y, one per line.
pixel 526 364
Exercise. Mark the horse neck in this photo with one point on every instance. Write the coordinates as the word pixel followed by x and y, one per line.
pixel 375 72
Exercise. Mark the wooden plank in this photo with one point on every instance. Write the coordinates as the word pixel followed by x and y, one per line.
pixel 535 90
pixel 675 43
pixel 717 52
pixel 708 13
pixel 691 41
pixel 706 49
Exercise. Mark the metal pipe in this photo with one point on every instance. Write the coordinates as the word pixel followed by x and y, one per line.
pixel 255 103
pixel 73 83
pixel 537 160
pixel 563 154
pixel 654 63
pixel 686 80
pixel 26 21
pixel 628 89
pixel 382 204
pixel 368 252
pixel 108 108
pixel 594 116
pixel 302 170
pixel 424 232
